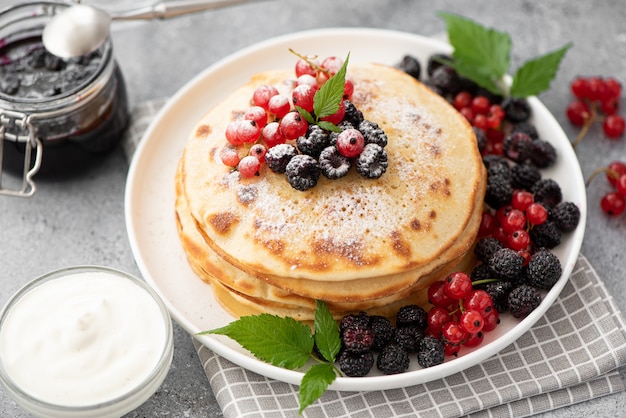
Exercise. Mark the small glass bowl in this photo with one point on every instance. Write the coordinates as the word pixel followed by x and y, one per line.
pixel 112 407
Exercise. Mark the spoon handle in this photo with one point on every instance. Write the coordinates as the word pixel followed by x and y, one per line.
pixel 165 10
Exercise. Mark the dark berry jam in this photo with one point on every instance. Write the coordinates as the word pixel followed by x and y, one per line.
pixel 77 108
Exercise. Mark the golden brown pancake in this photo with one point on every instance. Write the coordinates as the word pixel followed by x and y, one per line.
pixel 352 228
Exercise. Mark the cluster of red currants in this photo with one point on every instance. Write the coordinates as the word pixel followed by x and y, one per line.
pixel 596 100
pixel 614 202
pixel 510 224
pixel 481 113
pixel 460 314
pixel 273 119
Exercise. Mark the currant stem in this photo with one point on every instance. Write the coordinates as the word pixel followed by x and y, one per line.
pixel 310 61
pixel 611 173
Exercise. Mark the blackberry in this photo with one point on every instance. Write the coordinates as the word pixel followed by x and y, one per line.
pixel 393 359
pixel 499 191
pixel 408 337
pixel 356 365
pixel 412 315
pixel 516 110
pixel 481 138
pixel 524 176
pixel 383 331
pixel 435 61
pixel 315 140
pixel 546 235
pixel 353 115
pixel 543 270
pixel 372 133
pixel 480 272
pixel 9 84
pixel 547 191
pixel 523 300
pixel 518 146
pixel 565 216
pixel 485 248
pixel 302 171
pixel 542 153
pixel 360 319
pixel 372 162
pixel 527 128
pixel 499 292
pixel 411 66
pixel 434 88
pixel 497 165
pixel 279 156
pixel 357 338
pixel 506 264
pixel 431 351
pixel 333 164
pixel 446 79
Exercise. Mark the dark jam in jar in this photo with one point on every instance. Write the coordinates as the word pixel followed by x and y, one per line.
pixel 76 107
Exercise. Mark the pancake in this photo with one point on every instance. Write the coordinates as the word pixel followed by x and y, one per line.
pixel 352 294
pixel 404 223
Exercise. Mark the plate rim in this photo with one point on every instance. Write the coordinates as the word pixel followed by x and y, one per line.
pixel 245 360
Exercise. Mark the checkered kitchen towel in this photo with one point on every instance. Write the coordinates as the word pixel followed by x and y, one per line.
pixel 570 355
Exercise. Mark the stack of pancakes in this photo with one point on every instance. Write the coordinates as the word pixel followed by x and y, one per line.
pixel 355 243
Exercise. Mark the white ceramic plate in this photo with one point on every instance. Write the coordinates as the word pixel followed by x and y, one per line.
pixel 150 196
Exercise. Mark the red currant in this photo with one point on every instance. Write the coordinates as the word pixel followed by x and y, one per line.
pixel 308 80
pixel 474 340
pixel 262 95
pixel 302 96
pixel 272 135
pixel 479 300
pixel 279 105
pixel 613 203
pixel 472 321
pixel 620 185
pixel 579 87
pixel 230 157
pixel 522 199
pixel 257 114
pixel 451 350
pixel 614 171
pixel 536 214
pixel 488 223
pixel 350 143
pixel 595 89
pixel 338 116
pixel 613 126
pixel 436 295
pixel 453 333
pixel 481 105
pixel 242 131
pixel 258 151
pixel 462 99
pixel 437 316
pixel 457 285
pixel 514 220
pixel 492 319
pixel 578 113
pixel 519 240
pixel 348 89
pixel 305 67
pixel 293 125
pixel 249 166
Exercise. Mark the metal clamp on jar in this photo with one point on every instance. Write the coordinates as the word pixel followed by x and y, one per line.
pixel 57 117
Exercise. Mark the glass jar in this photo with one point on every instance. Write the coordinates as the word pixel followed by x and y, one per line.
pixel 57 117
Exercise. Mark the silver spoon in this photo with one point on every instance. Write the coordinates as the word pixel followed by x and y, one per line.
pixel 81 29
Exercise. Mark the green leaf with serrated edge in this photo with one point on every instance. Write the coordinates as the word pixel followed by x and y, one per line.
pixel 306 115
pixel 326 332
pixel 480 77
pixel 535 75
pixel 283 342
pixel 314 383
pixel 477 45
pixel 327 98
pixel 329 126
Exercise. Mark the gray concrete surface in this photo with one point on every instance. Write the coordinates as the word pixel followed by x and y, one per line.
pixel 81 220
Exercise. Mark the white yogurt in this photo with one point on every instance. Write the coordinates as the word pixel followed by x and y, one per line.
pixel 82 339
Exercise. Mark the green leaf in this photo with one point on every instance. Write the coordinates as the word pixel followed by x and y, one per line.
pixel 535 75
pixel 314 383
pixel 326 332
pixel 329 126
pixel 283 342
pixel 479 76
pixel 327 98
pixel 478 49
pixel 305 114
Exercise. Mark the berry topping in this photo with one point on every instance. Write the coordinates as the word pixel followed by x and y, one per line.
pixel 315 140
pixel 333 164
pixel 412 315
pixel 543 269
pixel 356 364
pixel 372 133
pixel 357 338
pixel 523 300
pixel 392 359
pixel 278 157
pixel 372 163
pixel 430 352
pixel 302 171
